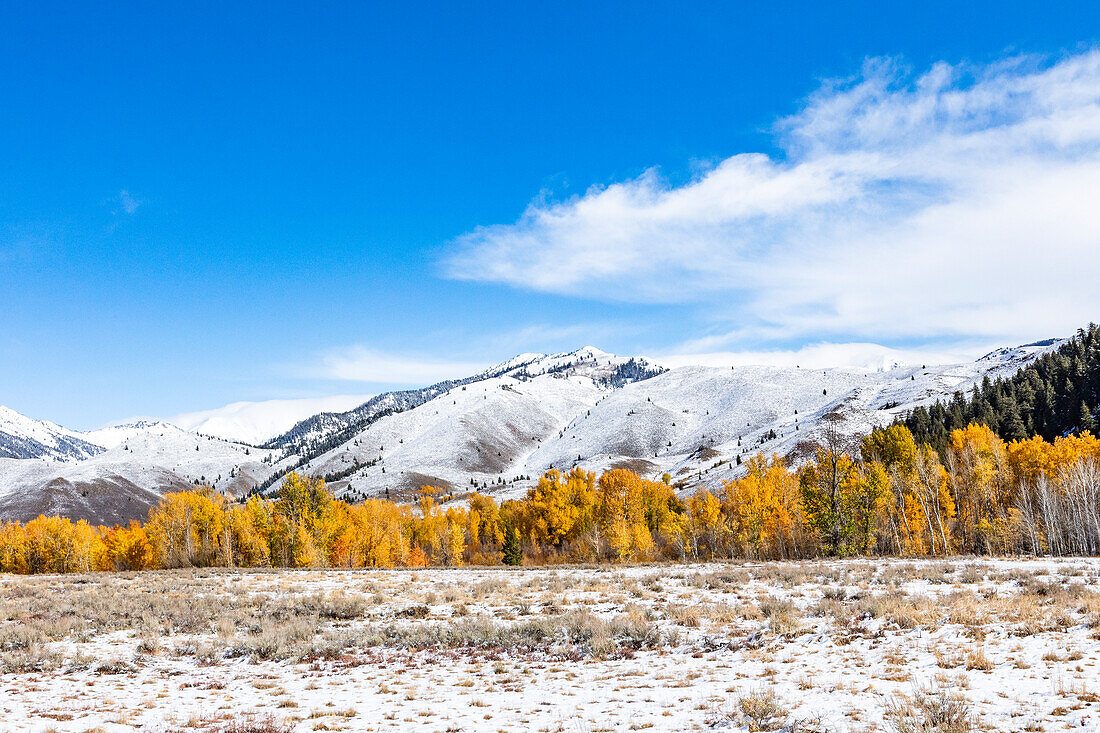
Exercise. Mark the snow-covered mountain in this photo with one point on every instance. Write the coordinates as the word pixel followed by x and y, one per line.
pixel 498 430
pixel 502 430
pixel 258 422
pixel 125 470
pixel 475 428
pixel 22 437
pixel 327 428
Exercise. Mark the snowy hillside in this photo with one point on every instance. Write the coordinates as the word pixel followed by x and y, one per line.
pixel 475 427
pixel 258 422
pixel 497 430
pixel 131 466
pixel 325 430
pixel 22 437
pixel 693 422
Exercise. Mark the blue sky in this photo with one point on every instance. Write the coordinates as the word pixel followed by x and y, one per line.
pixel 209 202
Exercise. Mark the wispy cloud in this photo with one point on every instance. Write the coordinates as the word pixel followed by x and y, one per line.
pixel 955 203
pixel 360 364
pixel 824 355
pixel 546 337
pixel 128 202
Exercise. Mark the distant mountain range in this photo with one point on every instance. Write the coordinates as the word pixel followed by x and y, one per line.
pixel 497 430
pixel 22 437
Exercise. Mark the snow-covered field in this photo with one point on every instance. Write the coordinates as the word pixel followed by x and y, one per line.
pixel 859 645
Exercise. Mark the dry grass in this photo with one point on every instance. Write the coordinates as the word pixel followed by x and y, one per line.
pixel 762 710
pixel 965 620
pixel 929 710
pixel 278 625
pixel 245 725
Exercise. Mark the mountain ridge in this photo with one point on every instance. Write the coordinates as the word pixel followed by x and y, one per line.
pixel 498 430
pixel 23 437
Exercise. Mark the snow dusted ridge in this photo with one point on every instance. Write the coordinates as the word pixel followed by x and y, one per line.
pixel 22 437
pixel 319 432
pixel 497 430
pixel 127 471
pixel 502 430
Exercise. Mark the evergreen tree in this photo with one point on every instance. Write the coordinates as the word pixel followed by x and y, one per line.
pixel 1049 398
pixel 1012 425
pixel 1086 421
pixel 511 551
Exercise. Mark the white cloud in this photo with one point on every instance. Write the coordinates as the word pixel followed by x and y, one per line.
pixel 958 203
pixel 255 422
pixel 360 364
pixel 545 337
pixel 824 356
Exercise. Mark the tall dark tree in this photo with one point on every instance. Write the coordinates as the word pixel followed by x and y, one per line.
pixel 511 551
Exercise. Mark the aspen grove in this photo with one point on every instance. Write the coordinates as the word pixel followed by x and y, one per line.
pixel 887 495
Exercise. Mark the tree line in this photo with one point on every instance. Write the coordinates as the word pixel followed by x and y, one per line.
pixel 885 495
pixel 1054 395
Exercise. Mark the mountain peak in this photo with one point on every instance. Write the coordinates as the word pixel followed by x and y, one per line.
pixel 25 437
pixel 1023 351
pixel 591 351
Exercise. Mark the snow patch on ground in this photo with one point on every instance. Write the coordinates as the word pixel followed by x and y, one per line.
pixel 835 642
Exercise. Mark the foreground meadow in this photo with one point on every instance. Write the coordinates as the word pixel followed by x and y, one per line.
pixel 965 644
